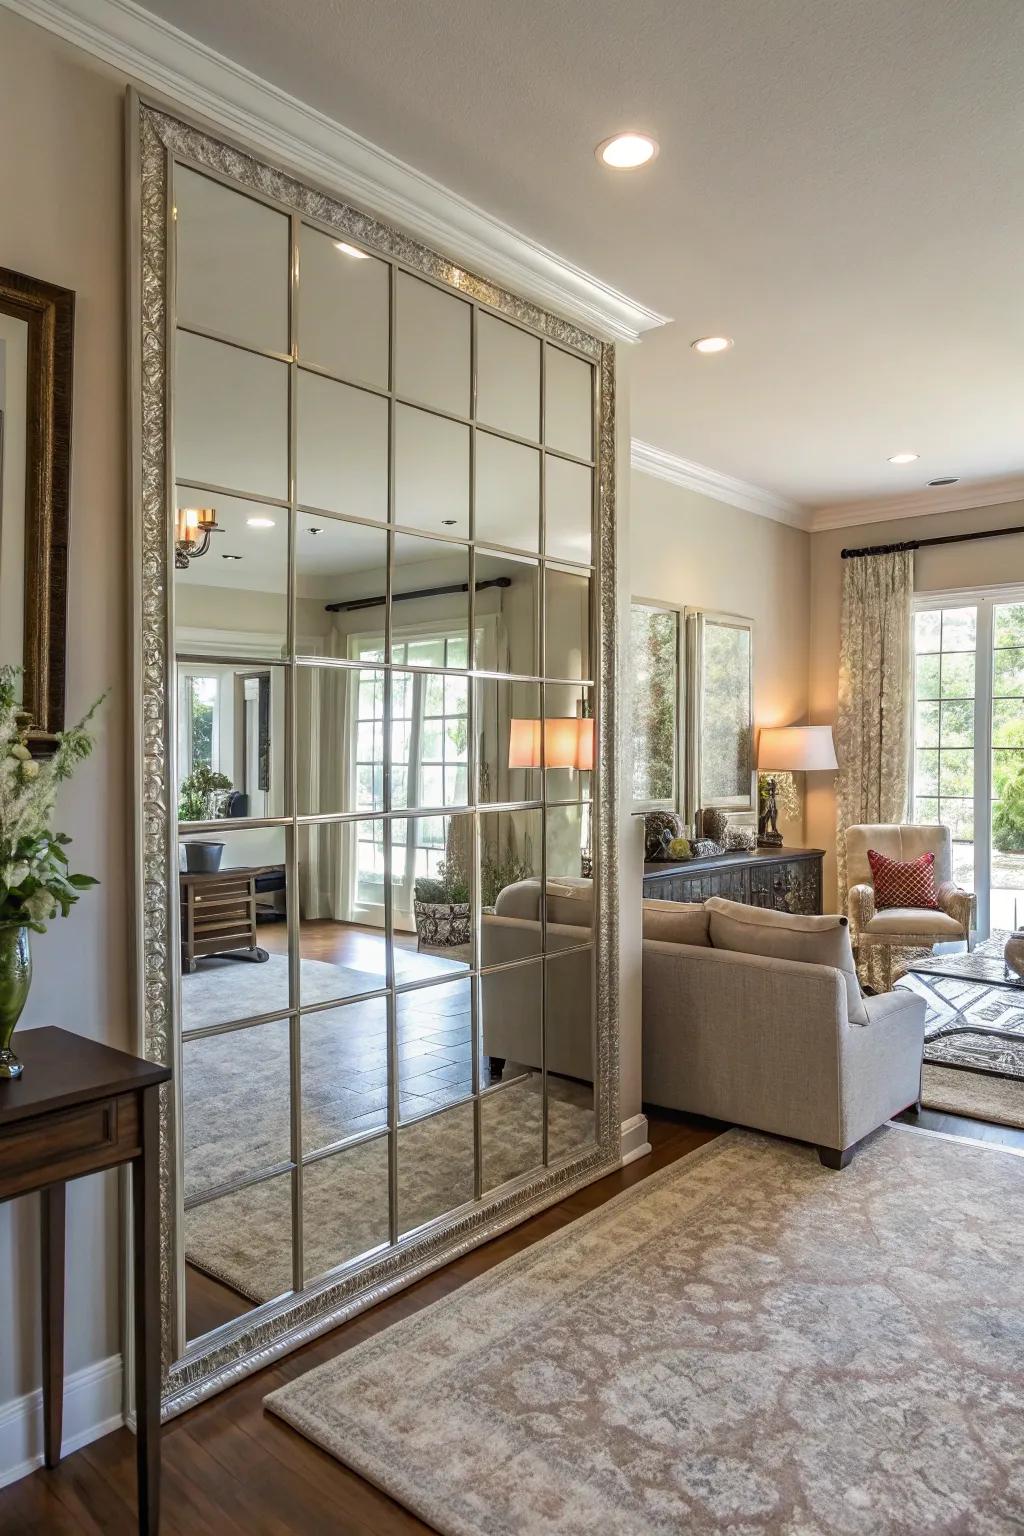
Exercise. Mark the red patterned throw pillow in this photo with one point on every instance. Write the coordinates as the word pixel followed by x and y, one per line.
pixel 903 885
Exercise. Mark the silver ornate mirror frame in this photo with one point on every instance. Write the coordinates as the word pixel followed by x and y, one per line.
pixel 158 137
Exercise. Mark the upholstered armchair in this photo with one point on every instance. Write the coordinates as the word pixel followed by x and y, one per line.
pixel 904 927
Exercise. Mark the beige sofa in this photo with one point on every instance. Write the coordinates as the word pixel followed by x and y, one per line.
pixel 756 1018
pixel 511 999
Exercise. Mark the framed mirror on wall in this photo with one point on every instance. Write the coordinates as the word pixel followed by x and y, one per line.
pixel 376 616
pixel 36 379
pixel 720 766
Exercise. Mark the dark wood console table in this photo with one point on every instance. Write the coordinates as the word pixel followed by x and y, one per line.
pixel 80 1108
pixel 785 879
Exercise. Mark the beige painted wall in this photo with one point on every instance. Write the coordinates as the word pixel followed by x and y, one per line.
pixel 691 551
pixel 61 191
pixel 986 563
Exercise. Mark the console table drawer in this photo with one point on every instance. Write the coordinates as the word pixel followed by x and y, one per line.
pixel 786 880
pixel 65 1143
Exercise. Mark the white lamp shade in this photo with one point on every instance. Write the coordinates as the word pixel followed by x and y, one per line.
pixel 796 749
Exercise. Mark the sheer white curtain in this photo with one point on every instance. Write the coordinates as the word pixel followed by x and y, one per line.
pixel 326 703
pixel 873 724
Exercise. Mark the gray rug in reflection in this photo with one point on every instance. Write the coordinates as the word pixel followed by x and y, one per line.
pixel 244 1238
pixel 237 1121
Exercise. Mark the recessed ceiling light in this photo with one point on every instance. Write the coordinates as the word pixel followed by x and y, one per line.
pixel 231 557
pixel 712 344
pixel 903 458
pixel 945 480
pixel 351 250
pixel 260 522
pixel 314 530
pixel 625 151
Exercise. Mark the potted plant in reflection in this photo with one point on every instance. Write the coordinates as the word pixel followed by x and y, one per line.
pixel 36 884
pixel 441 907
pixel 200 798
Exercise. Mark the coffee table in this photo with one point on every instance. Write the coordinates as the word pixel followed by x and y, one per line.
pixel 975 1007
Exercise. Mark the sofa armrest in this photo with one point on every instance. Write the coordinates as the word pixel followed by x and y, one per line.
pixel 961 905
pixel 860 906
pixel 881 1062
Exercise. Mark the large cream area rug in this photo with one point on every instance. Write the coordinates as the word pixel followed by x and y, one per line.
pixel 743 1342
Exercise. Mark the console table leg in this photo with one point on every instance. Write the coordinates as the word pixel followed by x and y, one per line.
pixel 54 1201
pixel 146 1261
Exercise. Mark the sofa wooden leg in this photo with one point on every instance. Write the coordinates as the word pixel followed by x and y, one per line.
pixel 832 1157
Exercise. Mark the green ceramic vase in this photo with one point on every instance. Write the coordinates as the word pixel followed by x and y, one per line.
pixel 15 979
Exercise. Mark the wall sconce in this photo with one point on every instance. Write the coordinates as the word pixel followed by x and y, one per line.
pixel 192 529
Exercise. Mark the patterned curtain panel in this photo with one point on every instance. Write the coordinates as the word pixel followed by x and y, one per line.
pixel 875 684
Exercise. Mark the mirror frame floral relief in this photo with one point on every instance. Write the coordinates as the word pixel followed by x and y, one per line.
pixel 160 137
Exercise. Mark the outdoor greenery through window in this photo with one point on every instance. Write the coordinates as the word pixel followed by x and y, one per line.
pixel 654 651
pixel 944 645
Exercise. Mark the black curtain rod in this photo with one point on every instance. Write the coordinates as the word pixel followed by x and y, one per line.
pixel 407 597
pixel 948 538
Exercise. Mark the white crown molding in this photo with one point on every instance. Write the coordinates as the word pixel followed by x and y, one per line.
pixel 153 53
pixel 710 482
pixel 922 503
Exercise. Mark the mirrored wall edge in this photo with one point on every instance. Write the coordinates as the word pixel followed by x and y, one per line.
pixel 216 1357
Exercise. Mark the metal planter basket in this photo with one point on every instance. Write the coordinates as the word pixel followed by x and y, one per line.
pixel 442 924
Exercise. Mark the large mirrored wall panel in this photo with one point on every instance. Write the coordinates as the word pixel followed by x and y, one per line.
pixel 381 707
pixel 345 1206
pixel 342 941
pixel 344 325
pixel 230 418
pixel 238 1252
pixel 345 1074
pixel 431 472
pixel 342 448
pixel 511 1018
pixel 432 346
pixel 568 509
pixel 507 493
pixel 230 750
pixel 436 1161
pixel 234 600
pixel 340 715
pixel 507 613
pixel 569 404
pixel 232 263
pixel 233 891
pixel 569 1052
pixel 567 624
pixel 341 578
pixel 435 1047
pixel 508 379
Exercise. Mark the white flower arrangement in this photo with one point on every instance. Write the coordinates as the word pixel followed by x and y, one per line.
pixel 35 882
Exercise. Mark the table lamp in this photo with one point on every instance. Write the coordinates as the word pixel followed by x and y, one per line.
pixel 789 749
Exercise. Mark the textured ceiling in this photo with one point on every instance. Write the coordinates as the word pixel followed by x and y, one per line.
pixel 839 188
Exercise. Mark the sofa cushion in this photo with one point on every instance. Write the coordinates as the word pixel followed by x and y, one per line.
pixel 815 940
pixel 571 901
pixel 676 922
pixel 903 884
pixel 918 920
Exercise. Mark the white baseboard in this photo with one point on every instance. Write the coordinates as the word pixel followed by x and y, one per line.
pixel 633 1140
pixel 92 1407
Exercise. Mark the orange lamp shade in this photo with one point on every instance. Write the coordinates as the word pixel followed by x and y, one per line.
pixel 562 742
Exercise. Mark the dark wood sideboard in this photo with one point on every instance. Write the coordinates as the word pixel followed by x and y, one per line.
pixel 785 879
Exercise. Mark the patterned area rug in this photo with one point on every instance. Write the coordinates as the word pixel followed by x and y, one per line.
pixel 955 1000
pixel 978 1095
pixel 744 1342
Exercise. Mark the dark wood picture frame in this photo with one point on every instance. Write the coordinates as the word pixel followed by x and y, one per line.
pixel 49 312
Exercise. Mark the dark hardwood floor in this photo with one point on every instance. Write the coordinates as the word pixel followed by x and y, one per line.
pixel 232 1470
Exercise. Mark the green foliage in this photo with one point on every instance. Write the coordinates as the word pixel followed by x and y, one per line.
pixel 499 870
pixel 654 650
pixel 36 883
pixel 1008 814
pixel 451 885
pixel 196 796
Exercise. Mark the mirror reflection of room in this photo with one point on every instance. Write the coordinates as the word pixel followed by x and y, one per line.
pixel 386 994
